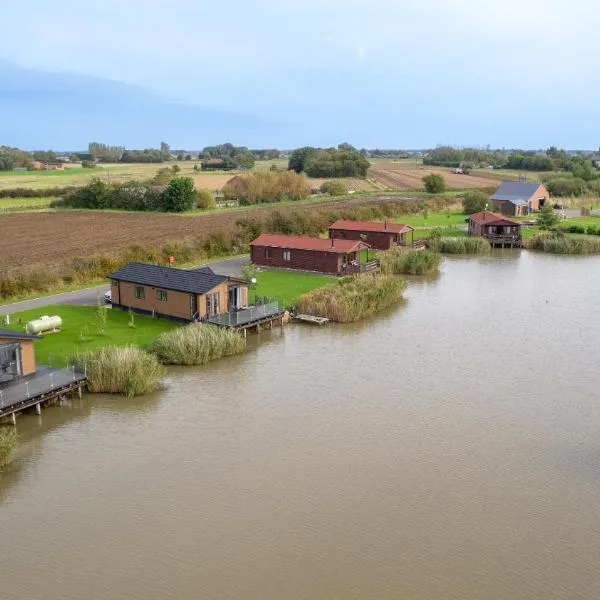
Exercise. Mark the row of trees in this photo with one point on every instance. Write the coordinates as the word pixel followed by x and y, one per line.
pixel 447 156
pixel 226 157
pixel 267 187
pixel 178 195
pixel 343 161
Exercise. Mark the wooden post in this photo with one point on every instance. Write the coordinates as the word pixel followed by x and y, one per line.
pixel 79 392
pixel 38 408
pixel 14 419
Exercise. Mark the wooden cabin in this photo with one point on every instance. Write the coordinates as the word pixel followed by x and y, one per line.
pixel 379 235
pixel 497 229
pixel 336 257
pixel 17 355
pixel 184 295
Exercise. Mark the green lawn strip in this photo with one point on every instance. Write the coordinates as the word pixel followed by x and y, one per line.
pixel 367 255
pixel 285 286
pixel 420 234
pixel 436 219
pixel 25 203
pixel 79 331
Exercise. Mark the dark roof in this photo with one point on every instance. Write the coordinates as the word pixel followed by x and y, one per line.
pixel 202 270
pixel 373 226
pixel 296 242
pixel 490 218
pixel 17 335
pixel 199 281
pixel 515 192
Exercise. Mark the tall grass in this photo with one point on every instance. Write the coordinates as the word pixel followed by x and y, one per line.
pixel 197 344
pixel 400 261
pixel 558 243
pixel 458 245
pixel 353 298
pixel 8 442
pixel 128 370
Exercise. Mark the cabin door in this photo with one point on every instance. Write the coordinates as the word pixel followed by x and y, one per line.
pixel 234 295
pixel 193 306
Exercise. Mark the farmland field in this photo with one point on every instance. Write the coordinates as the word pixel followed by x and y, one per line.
pixel 50 238
pixel 404 176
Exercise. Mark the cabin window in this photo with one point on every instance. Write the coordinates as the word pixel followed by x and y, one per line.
pixel 287 255
pixel 161 295
pixel 140 293
pixel 213 304
pixel 268 253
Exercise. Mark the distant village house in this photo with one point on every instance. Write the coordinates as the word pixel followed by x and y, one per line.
pixel 518 199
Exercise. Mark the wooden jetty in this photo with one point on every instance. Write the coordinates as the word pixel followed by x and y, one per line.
pixel 312 319
pixel 47 385
pixel 251 318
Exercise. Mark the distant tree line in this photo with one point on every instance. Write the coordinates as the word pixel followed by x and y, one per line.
pixel 447 156
pixel 343 161
pixel 178 195
pixel 267 187
pixel 226 157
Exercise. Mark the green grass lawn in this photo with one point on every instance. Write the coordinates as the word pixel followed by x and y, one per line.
pixel 80 331
pixel 25 203
pixel 435 219
pixel 286 286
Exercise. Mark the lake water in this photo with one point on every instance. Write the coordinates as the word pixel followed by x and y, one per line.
pixel 447 450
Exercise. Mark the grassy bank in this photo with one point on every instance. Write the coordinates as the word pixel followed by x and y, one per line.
pixel 128 370
pixel 559 243
pixel 353 298
pixel 197 344
pixel 401 261
pixel 80 331
pixel 286 286
pixel 8 442
pixel 459 245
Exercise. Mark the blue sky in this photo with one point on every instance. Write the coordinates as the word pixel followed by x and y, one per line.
pixel 375 73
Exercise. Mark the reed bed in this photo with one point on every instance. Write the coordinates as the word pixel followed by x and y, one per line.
pixel 400 261
pixel 559 243
pixel 459 245
pixel 197 344
pixel 8 442
pixel 128 370
pixel 353 298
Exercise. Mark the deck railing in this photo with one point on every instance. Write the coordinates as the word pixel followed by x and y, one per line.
pixel 355 269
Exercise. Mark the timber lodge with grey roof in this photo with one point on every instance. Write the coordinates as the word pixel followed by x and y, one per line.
pixel 518 199
pixel 185 295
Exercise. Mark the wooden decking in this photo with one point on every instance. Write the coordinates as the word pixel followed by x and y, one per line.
pixel 252 317
pixel 313 320
pixel 504 241
pixel 34 390
pixel 369 267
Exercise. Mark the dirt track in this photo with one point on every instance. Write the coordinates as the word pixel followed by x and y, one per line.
pixel 399 176
pixel 52 238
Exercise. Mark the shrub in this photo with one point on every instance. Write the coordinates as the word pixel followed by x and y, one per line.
pixel 475 201
pixel 205 199
pixel 8 442
pixel 179 195
pixel 267 187
pixel 399 261
pixel 88 164
pixel 434 183
pixel 333 188
pixel 566 186
pixel 197 344
pixel 353 298
pixel 459 245
pixel 547 217
pixel 129 371
pixel 558 243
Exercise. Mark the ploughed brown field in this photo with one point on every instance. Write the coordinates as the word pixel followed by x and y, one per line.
pixel 403 176
pixel 39 239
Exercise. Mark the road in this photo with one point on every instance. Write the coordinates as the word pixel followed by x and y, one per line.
pixel 91 296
